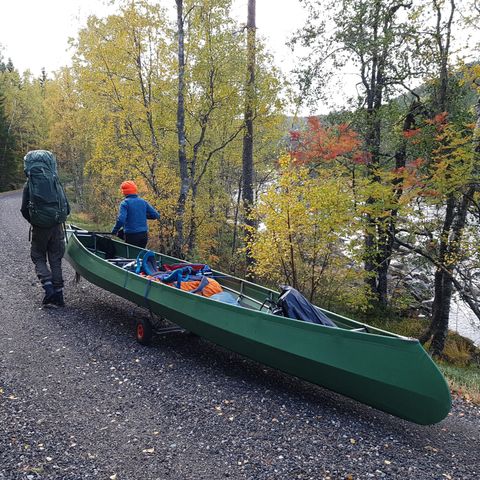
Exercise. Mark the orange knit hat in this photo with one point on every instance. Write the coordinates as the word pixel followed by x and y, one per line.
pixel 129 188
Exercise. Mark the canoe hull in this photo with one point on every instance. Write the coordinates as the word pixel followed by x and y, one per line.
pixel 391 373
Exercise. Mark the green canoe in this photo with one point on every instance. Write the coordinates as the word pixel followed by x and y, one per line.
pixel 387 371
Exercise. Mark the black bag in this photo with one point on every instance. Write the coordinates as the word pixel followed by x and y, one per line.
pixel 105 245
pixel 294 305
pixel 48 204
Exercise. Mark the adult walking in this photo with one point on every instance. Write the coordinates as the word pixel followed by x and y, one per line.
pixel 133 214
pixel 45 207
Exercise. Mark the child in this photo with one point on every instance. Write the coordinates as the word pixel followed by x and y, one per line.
pixel 133 214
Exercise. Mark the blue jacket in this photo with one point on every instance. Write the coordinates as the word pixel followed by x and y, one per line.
pixel 133 215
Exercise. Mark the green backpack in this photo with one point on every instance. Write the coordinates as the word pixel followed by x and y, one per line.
pixel 47 204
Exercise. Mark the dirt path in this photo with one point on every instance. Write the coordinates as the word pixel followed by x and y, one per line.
pixel 81 399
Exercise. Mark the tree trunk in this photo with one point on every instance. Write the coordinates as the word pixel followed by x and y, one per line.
pixel 443 46
pixel 182 155
pixel 247 157
pixel 440 313
pixel 383 258
pixel 443 287
pixel 374 87
pixel 387 232
pixel 374 260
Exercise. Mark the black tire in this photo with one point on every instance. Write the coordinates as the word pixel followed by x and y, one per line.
pixel 144 331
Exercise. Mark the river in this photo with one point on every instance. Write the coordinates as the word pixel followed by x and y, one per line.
pixel 463 321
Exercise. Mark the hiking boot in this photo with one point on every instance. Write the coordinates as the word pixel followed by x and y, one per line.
pixel 57 299
pixel 49 293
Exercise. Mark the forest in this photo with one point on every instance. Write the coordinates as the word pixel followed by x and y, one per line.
pixel 373 208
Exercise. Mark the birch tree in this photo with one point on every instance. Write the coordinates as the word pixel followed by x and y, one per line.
pixel 247 155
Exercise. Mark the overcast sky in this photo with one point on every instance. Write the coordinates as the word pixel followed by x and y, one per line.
pixel 34 33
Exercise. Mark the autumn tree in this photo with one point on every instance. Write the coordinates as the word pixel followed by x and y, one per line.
pixel 214 96
pixel 449 172
pixel 306 236
pixel 70 132
pixel 123 66
pixel 171 124
pixel 374 37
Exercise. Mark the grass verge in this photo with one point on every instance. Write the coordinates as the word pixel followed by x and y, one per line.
pixel 83 220
pixel 464 381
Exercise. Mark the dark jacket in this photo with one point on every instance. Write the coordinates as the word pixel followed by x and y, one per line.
pixel 133 214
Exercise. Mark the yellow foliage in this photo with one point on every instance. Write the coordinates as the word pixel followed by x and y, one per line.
pixel 306 224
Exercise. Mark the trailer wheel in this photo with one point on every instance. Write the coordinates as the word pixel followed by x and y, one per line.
pixel 144 331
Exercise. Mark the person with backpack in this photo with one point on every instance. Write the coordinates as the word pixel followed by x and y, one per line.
pixel 132 216
pixel 45 207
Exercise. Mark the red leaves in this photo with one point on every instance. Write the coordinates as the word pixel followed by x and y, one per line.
pixel 294 135
pixel 440 118
pixel 417 163
pixel 325 144
pixel 439 121
pixel 411 133
pixel 361 158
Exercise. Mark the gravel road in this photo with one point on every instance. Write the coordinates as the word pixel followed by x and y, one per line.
pixel 80 399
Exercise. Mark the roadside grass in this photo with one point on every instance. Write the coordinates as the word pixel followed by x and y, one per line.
pixel 84 220
pixel 464 381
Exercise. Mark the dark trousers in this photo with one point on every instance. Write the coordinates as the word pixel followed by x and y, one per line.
pixel 138 239
pixel 48 243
